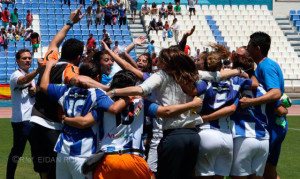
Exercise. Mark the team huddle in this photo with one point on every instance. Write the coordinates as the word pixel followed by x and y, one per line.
pixel 202 118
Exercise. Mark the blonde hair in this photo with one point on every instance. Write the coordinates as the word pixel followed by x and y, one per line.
pixel 213 60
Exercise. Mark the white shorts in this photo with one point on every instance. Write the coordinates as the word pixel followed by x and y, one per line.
pixel 249 156
pixel 68 167
pixel 152 156
pixel 215 153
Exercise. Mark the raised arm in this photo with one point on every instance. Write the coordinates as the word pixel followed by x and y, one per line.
pixel 221 113
pixel 138 41
pixel 87 82
pixel 75 17
pixel 177 109
pixel 183 41
pixel 46 75
pixel 30 76
pixel 123 64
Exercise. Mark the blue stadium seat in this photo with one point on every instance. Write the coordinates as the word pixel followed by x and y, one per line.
pixel 45 43
pixel 51 13
pixel 34 6
pixel 66 11
pixel 11 54
pixel 51 16
pixel 294 17
pixel 119 38
pixel 10 71
pixel 127 38
pixel 27 6
pixel 52 27
pixel 51 22
pixel 100 37
pixel 85 32
pixel 59 16
pixel 59 26
pixel 208 17
pixel 85 37
pixel 217 33
pixel 77 32
pixel 50 6
pixel 43 23
pixel 19 6
pixel 58 11
pixel 94 32
pixel 211 22
pixel 73 7
pixel 52 32
pixel 78 37
pixel 11 65
pixel 117 32
pixel 76 27
pixel 111 32
pixel 219 38
pixel 298 12
pixel 124 27
pixel 43 16
pixel 292 12
pixel 11 49
pixel 116 27
pixel 213 27
pixel 100 27
pixel 125 32
pixel 42 6
pixel 108 27
pixel 297 23
pixel 298 28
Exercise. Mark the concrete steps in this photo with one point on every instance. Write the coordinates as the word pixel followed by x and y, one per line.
pixel 290 32
pixel 136 30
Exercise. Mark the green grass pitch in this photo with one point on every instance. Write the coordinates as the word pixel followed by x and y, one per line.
pixel 288 167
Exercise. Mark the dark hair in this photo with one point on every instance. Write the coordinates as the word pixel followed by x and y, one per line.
pixel 152 42
pixel 148 56
pixel 90 69
pixel 122 79
pixel 71 49
pixel 180 66
pixel 245 62
pixel 18 54
pixel 213 59
pixel 263 40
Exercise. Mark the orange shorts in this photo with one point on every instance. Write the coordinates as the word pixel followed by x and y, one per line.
pixel 125 166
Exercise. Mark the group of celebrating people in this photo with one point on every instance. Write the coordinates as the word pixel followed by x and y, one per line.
pixel 201 119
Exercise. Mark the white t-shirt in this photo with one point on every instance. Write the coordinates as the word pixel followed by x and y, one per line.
pixel 12 28
pixel 191 3
pixel 164 33
pixel 22 103
pixel 175 26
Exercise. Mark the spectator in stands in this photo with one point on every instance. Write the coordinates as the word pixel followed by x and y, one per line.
pixel 107 39
pixel 116 47
pixel 35 41
pixel 191 4
pixel 103 3
pixel 89 15
pixel 175 28
pixel 104 32
pixel 152 26
pixel 29 19
pixel 22 32
pixel 122 14
pixel 107 15
pixel 115 14
pixel 197 54
pixel 4 40
pixel 163 11
pixel 90 44
pixel 5 18
pixel 170 10
pixel 153 9
pixel 177 9
pixel 159 24
pixel 10 35
pixel 111 2
pixel 145 9
pixel 14 17
pixel 187 50
pixel 167 25
pixel 98 15
pixel 164 33
pixel 11 27
pixel 82 2
pixel 151 47
pixel 27 35
pixel 19 25
pixel 23 90
pixel 133 8
pixel 65 2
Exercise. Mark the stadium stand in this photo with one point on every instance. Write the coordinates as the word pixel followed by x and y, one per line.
pixel 232 25
pixel 49 17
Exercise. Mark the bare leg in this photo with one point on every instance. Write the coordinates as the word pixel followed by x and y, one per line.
pixel 270 172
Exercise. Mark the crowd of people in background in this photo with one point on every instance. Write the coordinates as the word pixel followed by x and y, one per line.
pixel 13 30
pixel 176 105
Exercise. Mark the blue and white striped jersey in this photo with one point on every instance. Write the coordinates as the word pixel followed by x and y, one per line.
pixel 78 102
pixel 252 121
pixel 124 130
pixel 218 95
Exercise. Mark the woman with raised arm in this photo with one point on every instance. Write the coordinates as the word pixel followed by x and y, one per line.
pixel 178 148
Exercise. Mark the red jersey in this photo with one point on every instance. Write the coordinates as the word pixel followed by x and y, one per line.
pixel 91 43
pixel 186 49
pixel 5 16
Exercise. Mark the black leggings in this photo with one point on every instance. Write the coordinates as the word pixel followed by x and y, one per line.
pixel 177 153
pixel 122 20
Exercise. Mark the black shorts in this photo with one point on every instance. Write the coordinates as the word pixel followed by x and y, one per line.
pixel 192 9
pixel 133 11
pixel 42 149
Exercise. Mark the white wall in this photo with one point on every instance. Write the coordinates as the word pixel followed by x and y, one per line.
pixel 283 8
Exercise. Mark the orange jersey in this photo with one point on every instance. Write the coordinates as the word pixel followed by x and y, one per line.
pixel 70 70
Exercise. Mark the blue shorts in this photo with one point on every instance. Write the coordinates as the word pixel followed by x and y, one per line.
pixel 277 135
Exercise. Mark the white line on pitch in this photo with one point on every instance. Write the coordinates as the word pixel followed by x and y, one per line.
pixel 293 129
